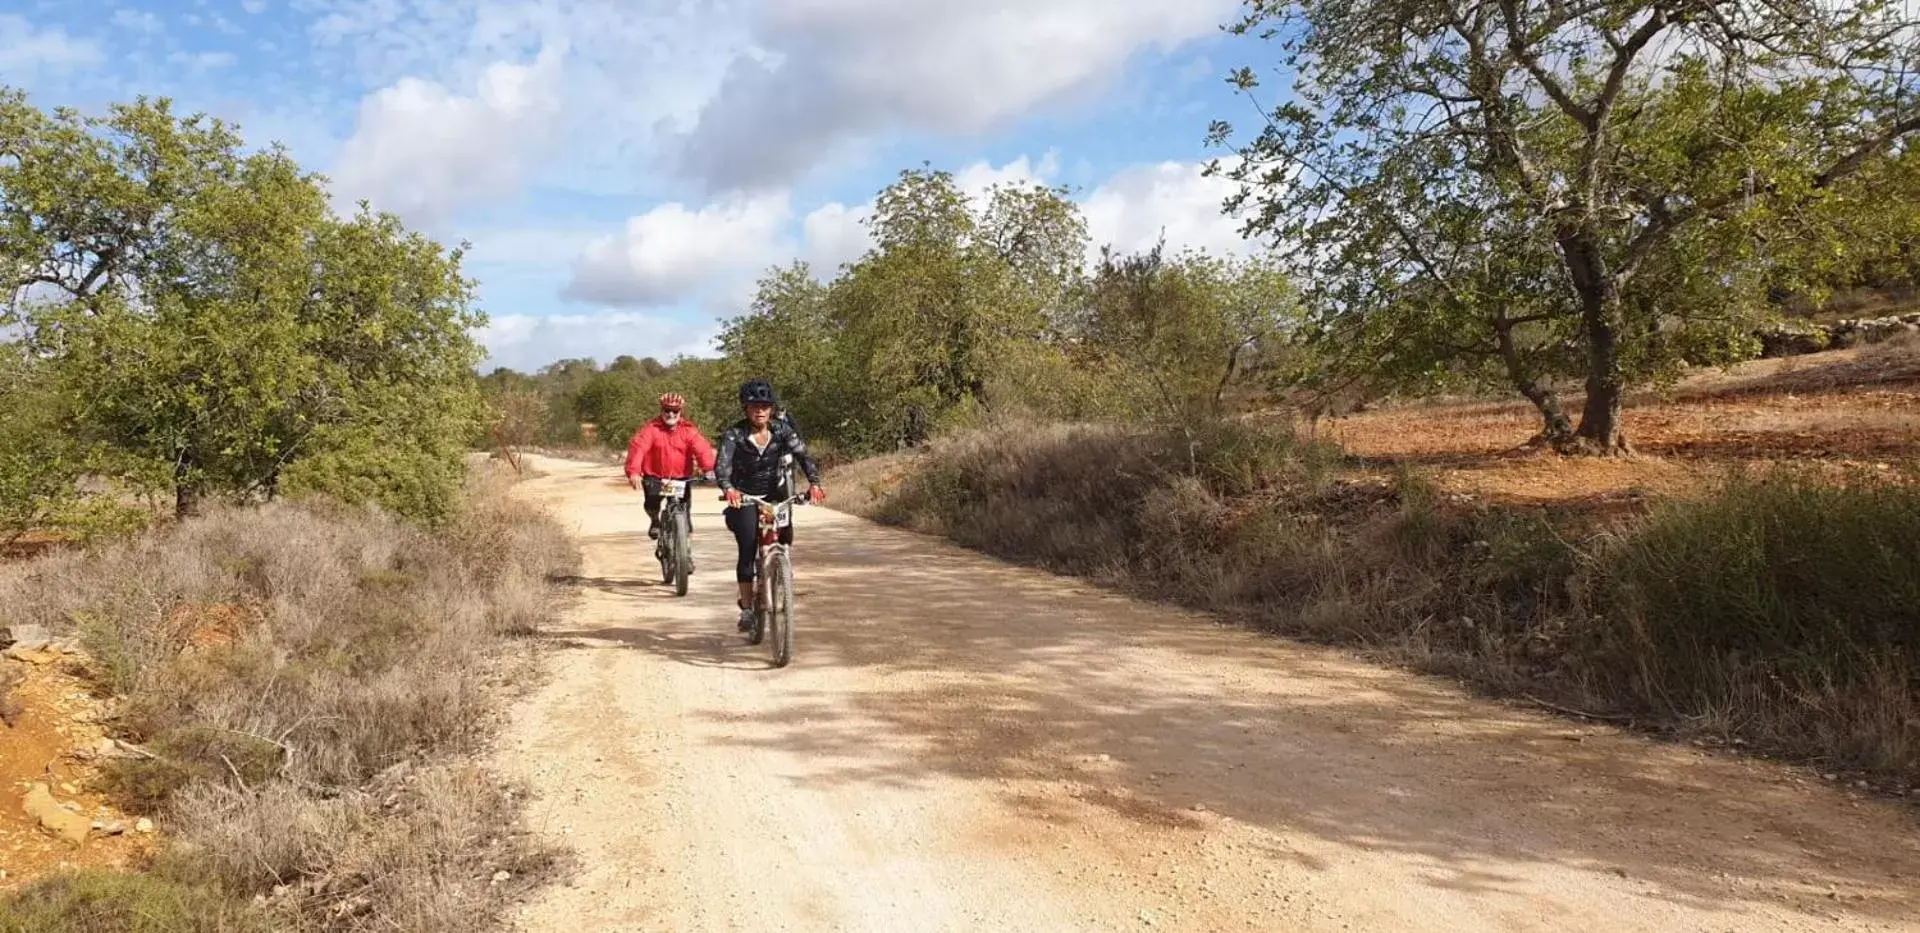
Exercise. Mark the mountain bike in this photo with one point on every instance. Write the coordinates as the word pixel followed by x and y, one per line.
pixel 773 583
pixel 675 548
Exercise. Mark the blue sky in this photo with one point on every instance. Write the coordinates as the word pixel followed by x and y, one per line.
pixel 625 169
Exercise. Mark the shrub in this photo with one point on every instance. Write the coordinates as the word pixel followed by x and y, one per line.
pixel 288 667
pixel 104 902
pixel 1793 598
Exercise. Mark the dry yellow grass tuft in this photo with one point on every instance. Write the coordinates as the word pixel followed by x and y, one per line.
pixel 301 681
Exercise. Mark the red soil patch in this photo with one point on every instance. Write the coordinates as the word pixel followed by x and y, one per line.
pixel 1849 407
pixel 55 742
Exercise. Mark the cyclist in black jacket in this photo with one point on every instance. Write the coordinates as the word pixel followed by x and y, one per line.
pixel 750 461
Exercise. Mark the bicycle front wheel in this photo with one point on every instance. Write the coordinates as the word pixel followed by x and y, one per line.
pixel 780 610
pixel 682 552
pixel 664 549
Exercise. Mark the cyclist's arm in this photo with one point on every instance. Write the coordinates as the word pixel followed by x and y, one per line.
pixel 703 453
pixel 723 465
pixel 798 448
pixel 637 449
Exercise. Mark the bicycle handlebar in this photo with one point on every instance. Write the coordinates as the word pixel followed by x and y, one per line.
pixel 800 499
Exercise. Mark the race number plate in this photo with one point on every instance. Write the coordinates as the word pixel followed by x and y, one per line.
pixel 782 517
pixel 673 487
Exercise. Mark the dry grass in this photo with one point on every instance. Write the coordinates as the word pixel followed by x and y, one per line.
pixel 285 666
pixel 1259 526
pixel 10 708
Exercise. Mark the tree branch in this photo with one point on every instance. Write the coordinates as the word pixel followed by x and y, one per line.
pixel 1624 54
pixel 1518 45
pixel 1853 161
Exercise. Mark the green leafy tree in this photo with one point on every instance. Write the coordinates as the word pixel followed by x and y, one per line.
pixel 1184 329
pixel 1539 187
pixel 40 465
pixel 955 300
pixel 211 322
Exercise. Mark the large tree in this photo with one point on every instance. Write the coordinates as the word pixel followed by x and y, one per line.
pixel 954 291
pixel 1546 187
pixel 209 319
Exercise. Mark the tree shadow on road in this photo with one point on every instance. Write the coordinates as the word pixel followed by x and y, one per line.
pixel 1061 696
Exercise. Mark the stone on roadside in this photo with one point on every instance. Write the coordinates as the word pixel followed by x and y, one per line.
pixel 54 817
pixel 143 826
pixel 24 638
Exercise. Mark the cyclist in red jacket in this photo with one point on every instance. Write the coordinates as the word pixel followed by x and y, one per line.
pixel 663 449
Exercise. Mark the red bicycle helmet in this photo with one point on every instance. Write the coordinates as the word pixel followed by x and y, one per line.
pixel 672 401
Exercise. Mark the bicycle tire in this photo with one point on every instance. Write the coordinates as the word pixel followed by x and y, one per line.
pixel 682 552
pixel 758 633
pixel 663 551
pixel 780 608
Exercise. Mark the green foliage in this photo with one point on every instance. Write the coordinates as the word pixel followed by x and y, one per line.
pixel 108 902
pixel 1484 191
pixel 1182 329
pixel 44 469
pixel 1810 582
pixel 206 319
pixel 40 466
pixel 966 313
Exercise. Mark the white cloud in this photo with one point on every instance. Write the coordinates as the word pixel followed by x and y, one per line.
pixel 833 234
pixel 635 69
pixel 1134 207
pixel 421 150
pixel 25 50
pixel 138 21
pixel 975 179
pixel 204 61
pixel 527 342
pixel 829 73
pixel 671 253
pixel 254 7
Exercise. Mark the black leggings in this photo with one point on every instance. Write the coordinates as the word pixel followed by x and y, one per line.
pixel 744 522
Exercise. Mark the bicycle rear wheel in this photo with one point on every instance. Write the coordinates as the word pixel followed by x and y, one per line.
pixel 780 607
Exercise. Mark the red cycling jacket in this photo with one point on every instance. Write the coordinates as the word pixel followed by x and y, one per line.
pixel 657 450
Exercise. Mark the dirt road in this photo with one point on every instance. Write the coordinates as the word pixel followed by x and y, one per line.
pixel 964 745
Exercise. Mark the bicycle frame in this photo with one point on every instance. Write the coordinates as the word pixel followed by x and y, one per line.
pixel 774 515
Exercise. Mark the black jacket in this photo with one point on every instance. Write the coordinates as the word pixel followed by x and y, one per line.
pixel 754 471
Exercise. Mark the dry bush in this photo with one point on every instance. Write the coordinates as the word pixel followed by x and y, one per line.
pixel 280 663
pixel 417 850
pixel 10 708
pixel 1781 612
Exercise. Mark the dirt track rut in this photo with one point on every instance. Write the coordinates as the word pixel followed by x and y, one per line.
pixel 964 745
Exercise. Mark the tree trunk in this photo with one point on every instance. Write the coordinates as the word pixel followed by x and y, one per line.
pixel 1226 378
pixel 1600 429
pixel 186 491
pixel 186 500
pixel 1555 429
